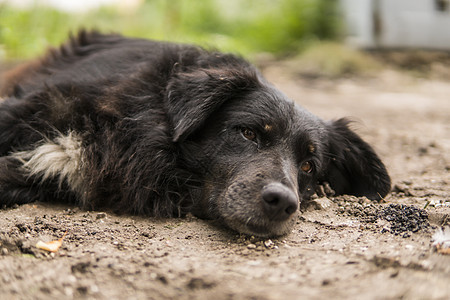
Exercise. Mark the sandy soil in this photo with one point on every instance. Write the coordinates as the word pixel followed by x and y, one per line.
pixel 342 247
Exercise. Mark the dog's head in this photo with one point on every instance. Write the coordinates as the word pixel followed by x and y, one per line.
pixel 257 155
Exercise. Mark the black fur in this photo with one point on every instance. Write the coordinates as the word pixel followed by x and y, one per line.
pixel 164 129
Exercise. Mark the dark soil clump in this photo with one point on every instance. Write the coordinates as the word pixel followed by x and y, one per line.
pixel 402 219
pixel 405 218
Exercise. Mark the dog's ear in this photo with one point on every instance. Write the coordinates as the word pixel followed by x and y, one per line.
pixel 193 96
pixel 353 167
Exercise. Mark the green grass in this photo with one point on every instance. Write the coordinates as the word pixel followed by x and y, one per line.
pixel 333 59
pixel 277 26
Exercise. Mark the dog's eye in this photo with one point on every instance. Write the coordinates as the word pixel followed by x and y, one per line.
pixel 248 134
pixel 307 167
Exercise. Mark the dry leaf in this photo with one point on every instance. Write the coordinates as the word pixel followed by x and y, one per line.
pixel 52 246
pixel 441 250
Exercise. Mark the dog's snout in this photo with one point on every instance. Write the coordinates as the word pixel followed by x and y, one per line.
pixel 279 201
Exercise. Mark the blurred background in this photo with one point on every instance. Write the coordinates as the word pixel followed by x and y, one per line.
pixel 325 36
pixel 247 27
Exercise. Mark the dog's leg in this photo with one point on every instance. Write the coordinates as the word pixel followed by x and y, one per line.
pixel 15 185
pixel 52 167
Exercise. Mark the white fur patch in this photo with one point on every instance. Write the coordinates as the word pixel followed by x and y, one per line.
pixel 61 159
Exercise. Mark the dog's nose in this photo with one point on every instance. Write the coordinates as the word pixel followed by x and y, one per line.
pixel 279 201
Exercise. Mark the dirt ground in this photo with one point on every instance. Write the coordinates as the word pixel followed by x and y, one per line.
pixel 342 247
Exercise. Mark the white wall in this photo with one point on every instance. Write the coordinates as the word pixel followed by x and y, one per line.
pixel 402 24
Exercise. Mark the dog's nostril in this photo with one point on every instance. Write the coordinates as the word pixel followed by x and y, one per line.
pixel 279 201
pixel 271 197
pixel 291 209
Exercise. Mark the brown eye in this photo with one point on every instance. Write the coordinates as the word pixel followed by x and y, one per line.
pixel 248 134
pixel 307 167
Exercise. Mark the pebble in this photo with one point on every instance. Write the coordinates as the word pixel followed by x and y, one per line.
pixel 68 291
pixel 101 215
pixel 251 246
pixel 268 243
pixel 245 252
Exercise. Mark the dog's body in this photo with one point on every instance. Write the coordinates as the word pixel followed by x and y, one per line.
pixel 165 129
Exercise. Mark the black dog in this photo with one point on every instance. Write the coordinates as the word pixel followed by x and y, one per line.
pixel 164 129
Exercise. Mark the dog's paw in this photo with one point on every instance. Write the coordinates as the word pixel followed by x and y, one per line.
pixel 324 190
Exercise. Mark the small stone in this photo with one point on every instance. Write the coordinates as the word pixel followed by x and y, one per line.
pixel 245 252
pixel 394 273
pixel 94 289
pixel 68 291
pixel 326 282
pixel 251 246
pixel 268 244
pixel 101 215
pixel 319 204
pixel 200 283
